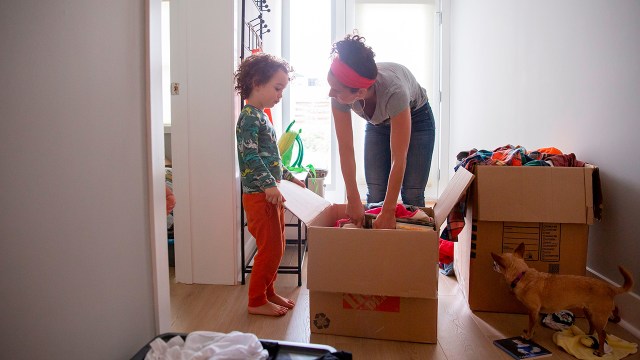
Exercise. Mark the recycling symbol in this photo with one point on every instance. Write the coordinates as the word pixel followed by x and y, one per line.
pixel 321 321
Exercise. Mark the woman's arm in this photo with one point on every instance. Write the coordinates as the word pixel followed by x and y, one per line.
pixel 344 134
pixel 400 137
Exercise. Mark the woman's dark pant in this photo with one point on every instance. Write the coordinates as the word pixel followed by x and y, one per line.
pixel 377 158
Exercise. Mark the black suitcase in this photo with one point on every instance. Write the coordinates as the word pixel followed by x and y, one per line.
pixel 278 350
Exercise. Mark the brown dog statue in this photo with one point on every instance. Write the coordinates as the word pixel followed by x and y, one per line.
pixel 540 291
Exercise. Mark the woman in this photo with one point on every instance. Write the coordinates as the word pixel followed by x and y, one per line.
pixel 399 135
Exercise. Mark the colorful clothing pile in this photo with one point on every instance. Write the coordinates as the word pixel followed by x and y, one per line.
pixel 405 212
pixel 507 155
pixel 510 155
pixel 408 212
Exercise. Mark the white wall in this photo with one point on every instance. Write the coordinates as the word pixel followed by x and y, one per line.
pixel 272 44
pixel 561 74
pixel 76 263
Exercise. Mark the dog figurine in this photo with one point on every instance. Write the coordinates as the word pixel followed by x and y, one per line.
pixel 540 291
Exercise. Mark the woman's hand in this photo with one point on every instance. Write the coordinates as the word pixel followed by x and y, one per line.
pixel 273 195
pixel 355 212
pixel 385 220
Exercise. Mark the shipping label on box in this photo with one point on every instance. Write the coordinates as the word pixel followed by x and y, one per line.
pixel 541 240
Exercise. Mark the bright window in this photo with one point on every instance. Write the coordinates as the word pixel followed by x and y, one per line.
pixel 310 45
pixel 382 23
pixel 403 32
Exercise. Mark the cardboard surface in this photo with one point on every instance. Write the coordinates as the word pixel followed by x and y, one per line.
pixel 388 318
pixel 535 194
pixel 375 262
pixel 553 224
pixel 456 188
pixel 552 248
pixel 394 272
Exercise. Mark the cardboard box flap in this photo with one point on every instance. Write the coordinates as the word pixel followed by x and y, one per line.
pixel 594 200
pixel 373 262
pixel 456 188
pixel 303 203
pixel 537 194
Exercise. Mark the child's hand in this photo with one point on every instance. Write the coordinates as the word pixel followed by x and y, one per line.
pixel 273 195
pixel 298 182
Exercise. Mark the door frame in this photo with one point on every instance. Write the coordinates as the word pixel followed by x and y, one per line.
pixel 443 39
pixel 155 170
pixel 155 145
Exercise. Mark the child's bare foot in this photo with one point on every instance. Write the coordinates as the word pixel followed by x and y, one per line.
pixel 269 309
pixel 282 301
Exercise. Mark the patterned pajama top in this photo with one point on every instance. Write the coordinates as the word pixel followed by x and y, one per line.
pixel 258 156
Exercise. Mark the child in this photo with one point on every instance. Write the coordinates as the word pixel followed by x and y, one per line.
pixel 260 79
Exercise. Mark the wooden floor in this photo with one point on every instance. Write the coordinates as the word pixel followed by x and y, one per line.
pixel 462 334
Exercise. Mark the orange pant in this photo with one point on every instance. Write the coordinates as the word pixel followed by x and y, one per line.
pixel 266 224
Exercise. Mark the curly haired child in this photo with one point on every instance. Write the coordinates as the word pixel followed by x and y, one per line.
pixel 260 79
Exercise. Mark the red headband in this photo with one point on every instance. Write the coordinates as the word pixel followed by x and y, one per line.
pixel 348 76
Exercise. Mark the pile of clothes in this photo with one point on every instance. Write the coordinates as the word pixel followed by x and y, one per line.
pixel 581 345
pixel 206 345
pixel 507 155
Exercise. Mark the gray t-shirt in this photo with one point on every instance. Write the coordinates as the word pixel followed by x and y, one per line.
pixel 396 88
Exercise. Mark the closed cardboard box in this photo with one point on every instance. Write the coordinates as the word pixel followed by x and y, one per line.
pixel 547 208
pixel 380 284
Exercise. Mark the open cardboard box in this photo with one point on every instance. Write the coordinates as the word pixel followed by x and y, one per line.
pixel 547 208
pixel 380 284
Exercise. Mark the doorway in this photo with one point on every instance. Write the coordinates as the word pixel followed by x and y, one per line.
pixel 344 18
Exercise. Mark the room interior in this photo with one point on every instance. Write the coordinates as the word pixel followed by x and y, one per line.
pixel 85 255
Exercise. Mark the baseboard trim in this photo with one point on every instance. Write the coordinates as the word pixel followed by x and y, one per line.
pixel 627 304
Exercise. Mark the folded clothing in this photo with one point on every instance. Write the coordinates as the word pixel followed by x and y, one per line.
pixel 577 343
pixel 560 320
pixel 208 345
pixel 446 269
pixel 410 213
pixel 405 212
pixel 445 248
